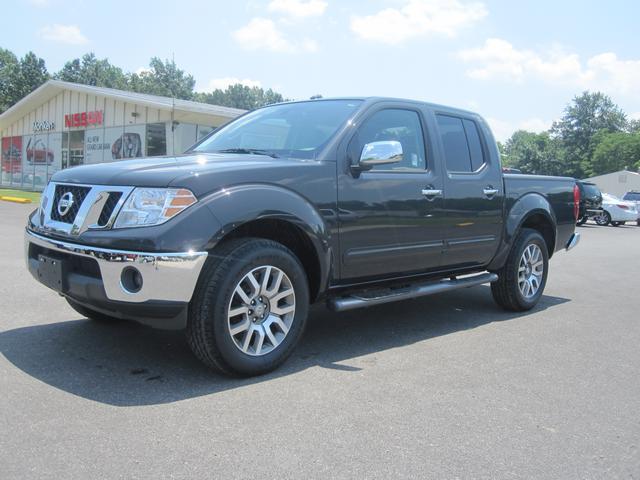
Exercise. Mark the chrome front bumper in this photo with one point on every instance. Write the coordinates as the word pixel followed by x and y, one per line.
pixel 165 276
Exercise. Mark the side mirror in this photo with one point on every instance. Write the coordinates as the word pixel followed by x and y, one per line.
pixel 380 153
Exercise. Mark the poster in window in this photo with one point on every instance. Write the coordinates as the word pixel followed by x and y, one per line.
pixel 125 144
pixel 96 147
pixel 11 159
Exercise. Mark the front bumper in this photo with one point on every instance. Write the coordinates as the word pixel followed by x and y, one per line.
pixel 94 272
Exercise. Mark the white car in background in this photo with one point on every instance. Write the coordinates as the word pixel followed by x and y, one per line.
pixel 633 196
pixel 616 211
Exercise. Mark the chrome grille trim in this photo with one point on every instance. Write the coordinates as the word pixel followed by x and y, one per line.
pixel 89 211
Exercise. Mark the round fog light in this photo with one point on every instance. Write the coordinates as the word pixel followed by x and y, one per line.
pixel 131 280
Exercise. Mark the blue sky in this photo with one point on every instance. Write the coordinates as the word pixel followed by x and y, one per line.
pixel 516 63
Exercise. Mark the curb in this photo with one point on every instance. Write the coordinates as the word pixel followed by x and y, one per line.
pixel 15 199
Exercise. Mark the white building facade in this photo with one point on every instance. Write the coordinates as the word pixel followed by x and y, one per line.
pixel 617 183
pixel 61 125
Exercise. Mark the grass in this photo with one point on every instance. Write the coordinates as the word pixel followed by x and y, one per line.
pixel 33 196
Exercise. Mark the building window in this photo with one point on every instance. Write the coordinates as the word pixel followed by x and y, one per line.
pixel 72 148
pixel 156 139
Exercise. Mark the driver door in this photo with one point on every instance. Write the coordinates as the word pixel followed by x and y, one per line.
pixel 390 216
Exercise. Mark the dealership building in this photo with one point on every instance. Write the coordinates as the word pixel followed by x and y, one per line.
pixel 62 124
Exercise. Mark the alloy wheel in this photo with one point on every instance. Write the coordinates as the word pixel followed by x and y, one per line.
pixel 261 310
pixel 530 271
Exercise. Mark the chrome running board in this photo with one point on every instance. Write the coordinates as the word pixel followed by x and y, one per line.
pixel 369 298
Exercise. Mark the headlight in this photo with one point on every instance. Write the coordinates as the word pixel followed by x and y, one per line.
pixel 153 206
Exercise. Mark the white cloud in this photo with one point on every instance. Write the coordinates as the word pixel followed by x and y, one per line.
pixel 502 130
pixel 417 18
pixel 69 34
pixel 498 58
pixel 263 34
pixel 634 116
pixel 40 3
pixel 224 82
pixel 298 8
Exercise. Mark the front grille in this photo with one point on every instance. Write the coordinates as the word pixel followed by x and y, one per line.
pixel 108 208
pixel 79 194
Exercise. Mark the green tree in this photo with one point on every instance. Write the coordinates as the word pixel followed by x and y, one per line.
pixel 616 151
pixel 241 96
pixel 9 67
pixel 19 78
pixel 163 78
pixel 535 153
pixel 588 114
pixel 91 71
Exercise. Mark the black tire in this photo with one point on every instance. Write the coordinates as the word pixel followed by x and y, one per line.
pixel 603 219
pixel 616 224
pixel 506 291
pixel 582 220
pixel 207 328
pixel 91 314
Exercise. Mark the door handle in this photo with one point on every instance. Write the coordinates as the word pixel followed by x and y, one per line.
pixel 490 191
pixel 431 193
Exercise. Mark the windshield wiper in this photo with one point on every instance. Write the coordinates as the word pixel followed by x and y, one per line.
pixel 252 151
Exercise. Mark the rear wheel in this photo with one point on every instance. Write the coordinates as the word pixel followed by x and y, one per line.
pixel 91 314
pixel 603 219
pixel 522 279
pixel 250 307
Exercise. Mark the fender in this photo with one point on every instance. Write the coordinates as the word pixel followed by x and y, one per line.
pixel 522 209
pixel 239 204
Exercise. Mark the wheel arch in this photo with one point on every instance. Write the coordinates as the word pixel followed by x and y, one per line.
pixel 529 211
pixel 281 215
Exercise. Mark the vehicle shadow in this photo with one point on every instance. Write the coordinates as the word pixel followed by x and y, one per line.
pixel 124 364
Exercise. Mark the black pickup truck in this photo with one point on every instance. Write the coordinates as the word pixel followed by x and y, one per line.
pixel 356 202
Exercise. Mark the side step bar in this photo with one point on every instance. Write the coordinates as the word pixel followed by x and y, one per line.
pixel 378 297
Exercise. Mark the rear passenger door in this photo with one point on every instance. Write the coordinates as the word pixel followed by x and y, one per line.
pixel 474 190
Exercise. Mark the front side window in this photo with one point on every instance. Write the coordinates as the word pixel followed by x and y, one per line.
pixel 394 125
pixel 291 130
pixel 461 142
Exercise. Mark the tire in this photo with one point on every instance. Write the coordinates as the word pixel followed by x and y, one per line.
pixel 603 219
pixel 507 290
pixel 91 314
pixel 211 320
pixel 582 220
pixel 616 224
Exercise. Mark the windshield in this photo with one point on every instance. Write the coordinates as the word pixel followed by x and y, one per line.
pixel 291 130
pixel 591 190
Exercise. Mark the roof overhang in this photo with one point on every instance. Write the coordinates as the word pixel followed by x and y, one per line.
pixel 52 88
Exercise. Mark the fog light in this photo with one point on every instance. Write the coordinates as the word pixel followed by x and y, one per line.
pixel 131 280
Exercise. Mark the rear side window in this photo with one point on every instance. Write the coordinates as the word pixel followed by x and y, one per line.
pixel 462 145
pixel 631 196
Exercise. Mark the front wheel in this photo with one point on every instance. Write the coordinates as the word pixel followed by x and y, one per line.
pixel 250 307
pixel 522 279
pixel 582 220
pixel 603 219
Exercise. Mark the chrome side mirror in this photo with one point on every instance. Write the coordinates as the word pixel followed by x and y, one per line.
pixel 380 153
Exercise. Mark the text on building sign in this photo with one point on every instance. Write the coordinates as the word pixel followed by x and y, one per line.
pixel 43 126
pixel 83 119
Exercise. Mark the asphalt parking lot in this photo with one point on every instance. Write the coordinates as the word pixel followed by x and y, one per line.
pixel 447 386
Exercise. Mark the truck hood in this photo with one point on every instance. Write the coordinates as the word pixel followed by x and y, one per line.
pixel 201 173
